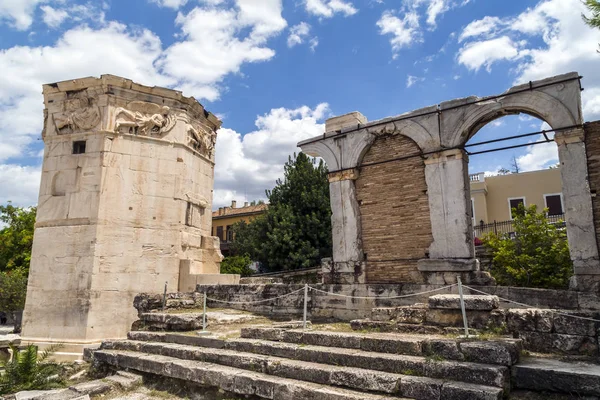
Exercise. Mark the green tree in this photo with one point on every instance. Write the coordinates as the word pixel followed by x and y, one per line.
pixel 537 255
pixel 237 265
pixel 295 232
pixel 13 288
pixel 30 370
pixel 594 19
pixel 16 238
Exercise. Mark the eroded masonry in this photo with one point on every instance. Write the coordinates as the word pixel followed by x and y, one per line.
pixel 124 206
pixel 400 190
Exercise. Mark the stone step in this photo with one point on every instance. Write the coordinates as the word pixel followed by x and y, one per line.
pixel 230 379
pixel 547 375
pixel 482 374
pixel 500 351
pixel 415 387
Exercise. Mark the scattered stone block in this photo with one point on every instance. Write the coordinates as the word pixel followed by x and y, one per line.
pixel 472 302
pixel 490 352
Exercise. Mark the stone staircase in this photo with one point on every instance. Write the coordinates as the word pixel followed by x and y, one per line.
pixel 276 363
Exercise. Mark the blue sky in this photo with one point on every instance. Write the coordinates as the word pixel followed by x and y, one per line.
pixel 274 70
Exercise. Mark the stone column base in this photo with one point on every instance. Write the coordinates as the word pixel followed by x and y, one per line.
pixel 445 272
pixel 343 273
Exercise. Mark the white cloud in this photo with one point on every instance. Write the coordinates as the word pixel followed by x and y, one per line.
pixel 328 8
pixel 435 9
pixel 404 31
pixel 213 44
pixel 53 17
pixel 539 156
pixel 298 34
pixel 485 53
pixel 19 13
pixel 411 80
pixel 174 4
pixel 480 27
pixel 313 43
pixel 24 184
pixel 568 45
pixel 251 163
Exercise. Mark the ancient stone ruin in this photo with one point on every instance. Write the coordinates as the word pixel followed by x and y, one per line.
pixel 400 189
pixel 124 206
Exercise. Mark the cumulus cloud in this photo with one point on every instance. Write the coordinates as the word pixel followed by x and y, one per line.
pixel 19 13
pixel 328 8
pixel 299 34
pixel 174 4
pixel 568 45
pixel 404 23
pixel 24 184
pixel 53 17
pixel 485 53
pixel 249 164
pixel 404 31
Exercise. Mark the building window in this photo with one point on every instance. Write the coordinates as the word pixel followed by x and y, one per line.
pixel 513 203
pixel 79 147
pixel 554 204
pixel 229 233
pixel 220 232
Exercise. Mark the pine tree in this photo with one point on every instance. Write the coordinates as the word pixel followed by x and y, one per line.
pixel 295 232
pixel 594 19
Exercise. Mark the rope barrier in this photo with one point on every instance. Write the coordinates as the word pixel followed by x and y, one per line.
pixel 530 306
pixel 383 298
pixel 257 301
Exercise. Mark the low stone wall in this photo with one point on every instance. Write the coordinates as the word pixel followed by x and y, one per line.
pixel 328 305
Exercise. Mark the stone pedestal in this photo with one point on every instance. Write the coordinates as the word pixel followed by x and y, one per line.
pixel 579 218
pixel 125 200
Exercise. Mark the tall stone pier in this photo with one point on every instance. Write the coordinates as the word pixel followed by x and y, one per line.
pixel 124 206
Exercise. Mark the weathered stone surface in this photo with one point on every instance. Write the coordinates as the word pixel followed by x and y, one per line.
pixel 393 345
pixel 519 320
pixel 559 343
pixel 416 387
pixel 472 302
pixel 578 379
pixel 576 326
pixel 446 349
pixel 490 352
pixel 463 391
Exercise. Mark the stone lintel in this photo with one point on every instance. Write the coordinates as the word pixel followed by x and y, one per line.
pixel 344 121
pixel 344 175
pixel 446 155
pixel 576 135
pixel 448 265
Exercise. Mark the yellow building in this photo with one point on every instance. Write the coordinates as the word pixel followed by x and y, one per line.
pixel 225 217
pixel 492 198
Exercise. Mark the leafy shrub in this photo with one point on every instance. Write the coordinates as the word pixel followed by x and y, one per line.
pixel 28 370
pixel 237 265
pixel 537 255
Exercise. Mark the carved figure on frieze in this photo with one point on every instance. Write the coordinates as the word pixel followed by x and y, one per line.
pixel 145 119
pixel 201 138
pixel 81 114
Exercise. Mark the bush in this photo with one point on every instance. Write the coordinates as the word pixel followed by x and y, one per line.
pixel 30 370
pixel 237 265
pixel 13 288
pixel 537 255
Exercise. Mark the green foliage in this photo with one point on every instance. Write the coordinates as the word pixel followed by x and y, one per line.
pixel 29 370
pixel 237 265
pixel 295 232
pixel 16 238
pixel 538 255
pixel 592 20
pixel 13 288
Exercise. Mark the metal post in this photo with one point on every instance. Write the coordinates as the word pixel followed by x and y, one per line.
pixel 305 305
pixel 204 313
pixel 164 297
pixel 462 306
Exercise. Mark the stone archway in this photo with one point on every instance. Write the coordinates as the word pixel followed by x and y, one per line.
pixel 440 133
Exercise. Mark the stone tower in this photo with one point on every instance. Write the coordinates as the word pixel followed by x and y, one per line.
pixel 124 205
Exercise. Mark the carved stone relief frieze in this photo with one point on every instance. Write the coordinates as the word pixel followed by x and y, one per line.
pixel 145 119
pixel 201 138
pixel 81 114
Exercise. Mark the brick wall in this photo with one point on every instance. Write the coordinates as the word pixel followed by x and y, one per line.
pixel 396 227
pixel 592 146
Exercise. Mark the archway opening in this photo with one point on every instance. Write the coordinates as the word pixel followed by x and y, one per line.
pixel 513 161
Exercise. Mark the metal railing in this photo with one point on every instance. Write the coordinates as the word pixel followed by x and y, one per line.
pixel 506 227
